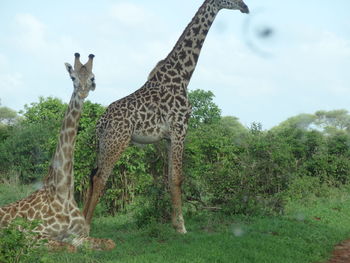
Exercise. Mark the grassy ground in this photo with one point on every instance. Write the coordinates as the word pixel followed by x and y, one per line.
pixel 306 233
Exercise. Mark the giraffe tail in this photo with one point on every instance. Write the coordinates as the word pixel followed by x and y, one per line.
pixel 92 174
pixel 88 193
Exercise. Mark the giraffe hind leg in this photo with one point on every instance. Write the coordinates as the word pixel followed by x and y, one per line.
pixel 89 191
pixel 175 151
pixel 107 159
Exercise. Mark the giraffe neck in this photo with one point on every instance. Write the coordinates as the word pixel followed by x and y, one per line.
pixel 60 178
pixel 182 60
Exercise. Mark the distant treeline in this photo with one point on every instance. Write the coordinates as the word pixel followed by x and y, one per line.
pixel 227 166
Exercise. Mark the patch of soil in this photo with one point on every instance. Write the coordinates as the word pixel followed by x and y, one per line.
pixel 341 253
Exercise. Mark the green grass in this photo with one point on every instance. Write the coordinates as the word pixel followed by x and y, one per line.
pixel 11 192
pixel 306 233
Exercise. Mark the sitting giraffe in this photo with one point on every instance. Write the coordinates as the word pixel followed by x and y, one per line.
pixel 54 204
pixel 158 110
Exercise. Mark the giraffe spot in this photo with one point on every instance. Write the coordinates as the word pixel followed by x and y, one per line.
pixel 155 98
pixel 51 221
pixel 196 30
pixel 50 213
pixel 68 167
pixel 199 43
pixel 77 104
pixel 143 116
pixel 61 198
pixel 166 79
pixel 45 209
pixel 40 228
pixel 178 67
pixel 196 20
pixel 75 114
pixel 177 80
pixel 13 212
pixel 159 75
pixel 69 122
pixel 78 222
pixel 61 137
pixel 25 207
pixel 181 100
pixel 31 213
pixel 59 176
pixel 56 226
pixel 56 206
pixel 6 218
pixel 71 135
pixel 189 63
pixel 76 213
pixel 186 75
pixel 62 218
pixel 188 43
pixel 182 55
pixel 195 57
pixel 37 215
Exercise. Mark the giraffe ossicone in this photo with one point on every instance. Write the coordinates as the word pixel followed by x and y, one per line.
pixel 158 110
pixel 53 205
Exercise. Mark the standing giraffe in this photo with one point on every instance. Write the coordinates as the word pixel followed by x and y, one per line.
pixel 158 110
pixel 54 204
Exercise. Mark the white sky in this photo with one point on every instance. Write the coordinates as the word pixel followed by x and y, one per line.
pixel 307 67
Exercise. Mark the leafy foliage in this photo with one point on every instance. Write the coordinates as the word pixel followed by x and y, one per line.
pixel 204 110
pixel 19 243
pixel 226 166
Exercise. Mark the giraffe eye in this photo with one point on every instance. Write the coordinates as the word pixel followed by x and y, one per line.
pixel 92 79
pixel 73 78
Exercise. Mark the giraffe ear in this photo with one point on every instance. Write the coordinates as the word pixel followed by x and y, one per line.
pixel 69 68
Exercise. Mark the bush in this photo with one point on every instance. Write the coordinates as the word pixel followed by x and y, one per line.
pixel 251 180
pixel 18 242
pixel 27 153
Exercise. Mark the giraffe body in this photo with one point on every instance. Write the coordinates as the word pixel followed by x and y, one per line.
pixel 158 110
pixel 54 204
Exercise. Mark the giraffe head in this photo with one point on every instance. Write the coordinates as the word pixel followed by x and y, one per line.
pixel 233 4
pixel 82 76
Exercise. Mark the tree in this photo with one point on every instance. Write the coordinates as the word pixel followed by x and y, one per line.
pixel 334 120
pixel 302 121
pixel 47 110
pixel 204 110
pixel 8 118
pixel 28 150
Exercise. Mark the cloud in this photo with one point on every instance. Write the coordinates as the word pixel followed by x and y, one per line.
pixel 326 43
pixel 32 32
pixel 130 14
pixel 10 82
pixel 34 36
pixel 322 60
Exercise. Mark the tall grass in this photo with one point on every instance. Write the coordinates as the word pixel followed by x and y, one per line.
pixel 11 191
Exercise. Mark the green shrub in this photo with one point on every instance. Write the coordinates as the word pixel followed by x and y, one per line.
pixel 18 242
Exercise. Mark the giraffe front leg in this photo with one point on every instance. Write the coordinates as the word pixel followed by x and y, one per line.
pixel 175 151
pixel 99 243
pixel 54 245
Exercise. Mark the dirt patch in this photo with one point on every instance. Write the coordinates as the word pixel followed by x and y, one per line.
pixel 341 253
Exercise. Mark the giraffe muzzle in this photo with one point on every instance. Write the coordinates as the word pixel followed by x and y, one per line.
pixel 244 8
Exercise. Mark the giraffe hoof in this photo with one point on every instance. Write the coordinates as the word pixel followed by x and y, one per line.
pixel 180 229
pixel 109 244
